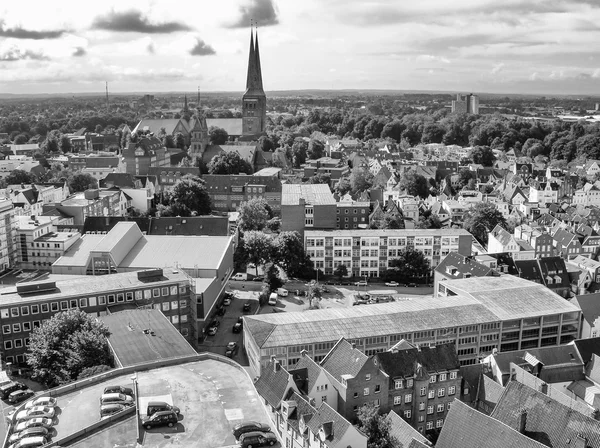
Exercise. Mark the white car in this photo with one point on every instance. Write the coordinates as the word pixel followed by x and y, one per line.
pixel 38 411
pixel 42 401
pixel 45 422
pixel 392 284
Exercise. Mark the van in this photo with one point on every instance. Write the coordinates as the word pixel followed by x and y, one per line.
pixel 6 389
pixel 30 442
pixel 240 276
pixel 157 406
pixel 282 292
pixel 273 298
pixel 252 439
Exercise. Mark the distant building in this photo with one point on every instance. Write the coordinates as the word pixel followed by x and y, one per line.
pixel 144 153
pixel 466 104
pixel 254 100
pixel 103 202
pixel 307 206
pixel 228 191
pixel 8 235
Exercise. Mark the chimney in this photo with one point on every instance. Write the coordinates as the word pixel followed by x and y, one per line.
pixel 353 345
pixel 311 401
pixel 276 366
pixel 580 442
pixel 522 421
pixel 544 388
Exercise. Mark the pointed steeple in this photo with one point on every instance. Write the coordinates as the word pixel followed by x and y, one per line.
pixel 251 61
pixel 185 104
pixel 257 57
pixel 254 78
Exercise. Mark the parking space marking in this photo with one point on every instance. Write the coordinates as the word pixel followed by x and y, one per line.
pixel 234 414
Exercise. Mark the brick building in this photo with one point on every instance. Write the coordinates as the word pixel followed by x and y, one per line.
pixel 227 192
pixel 307 206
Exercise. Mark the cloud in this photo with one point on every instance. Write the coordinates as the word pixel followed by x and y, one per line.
pixel 22 33
pixel 79 51
pixel 201 48
pixel 534 76
pixel 497 68
pixel 151 48
pixel 432 58
pixel 16 54
pixel 262 12
pixel 133 21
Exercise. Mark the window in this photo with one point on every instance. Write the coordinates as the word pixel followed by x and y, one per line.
pixel 73 303
pixel 64 305
pixel 24 311
pixel 398 384
pixel 120 297
pixel 101 300
pixel 156 292
pixel 440 407
pixel 165 306
pixel 441 391
pixel 366 391
pixel 423 391
pixel 451 390
pixel 422 406
pixel 184 318
pixel 430 409
pixel 111 298
pixel 37 324
pixel 355 394
pixel 147 294
pixel 431 394
pixel 432 379
pixel 165 291
pixel 6 329
pixel 448 406
pixel 376 403
pixel 174 304
pixel 18 343
pixel 398 399
pixel 377 388
pixel 175 319
pixel 8 345
pixel 83 303
pixel 368 377
pixel 26 326
pixel 409 383
pixel 439 423
pixel 408 398
pixel 45 308
pixel 453 375
pixel 407 413
pixel 14 312
pixel 443 376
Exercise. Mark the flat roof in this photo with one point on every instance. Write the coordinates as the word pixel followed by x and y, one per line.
pixel 502 302
pixel 132 346
pixel 386 232
pixel 87 285
pixel 117 233
pixel 56 237
pixel 313 194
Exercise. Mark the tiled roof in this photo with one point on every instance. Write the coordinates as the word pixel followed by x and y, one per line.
pixel 303 410
pixel 434 359
pixel 305 373
pixel 467 428
pixel 273 383
pixel 155 125
pixel 547 421
pixel 489 391
pixel 463 265
pixel 560 356
pixel 313 194
pixel 343 359
pixel 337 425
pixel 587 348
pixel 233 126
pixel 590 306
pixel 403 432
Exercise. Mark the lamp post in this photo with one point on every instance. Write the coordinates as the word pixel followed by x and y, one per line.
pixel 133 379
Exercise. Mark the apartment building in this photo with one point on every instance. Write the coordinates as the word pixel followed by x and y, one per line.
pixel 144 153
pixel 227 192
pixel 478 315
pixel 26 305
pixel 541 241
pixel 307 206
pixel 368 252
pixel 500 241
pixel 94 203
pixel 352 215
pixel 8 235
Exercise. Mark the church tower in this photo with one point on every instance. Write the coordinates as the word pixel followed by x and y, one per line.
pixel 254 100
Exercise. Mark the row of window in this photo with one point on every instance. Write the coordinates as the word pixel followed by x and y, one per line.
pixel 347 212
pixel 384 241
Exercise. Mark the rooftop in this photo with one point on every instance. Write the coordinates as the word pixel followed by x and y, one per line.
pixel 480 300
pixel 132 345
pixel 313 194
pixel 388 232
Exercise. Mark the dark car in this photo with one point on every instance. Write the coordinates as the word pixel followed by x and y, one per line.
pixel 237 327
pixel 19 395
pixel 252 439
pixel 249 426
pixel 246 307
pixel 221 311
pixel 156 406
pixel 412 285
pixel 118 390
pixel 215 323
pixel 160 418
pixel 7 389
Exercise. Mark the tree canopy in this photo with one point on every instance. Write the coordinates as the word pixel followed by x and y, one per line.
pixel 254 214
pixel 409 264
pixel 481 219
pixel 361 179
pixel 82 182
pixel 217 136
pixel 415 185
pixel 17 177
pixel 66 344
pixel 229 162
pixel 188 198
pixel 376 427
pixel 483 155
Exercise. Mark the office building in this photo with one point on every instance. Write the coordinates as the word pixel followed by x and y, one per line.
pixel 307 206
pixel 8 235
pixel 228 191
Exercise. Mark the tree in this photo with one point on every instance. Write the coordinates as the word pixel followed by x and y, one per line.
pixel 98 129
pixel 415 185
pixel 343 186
pixel 429 220
pixel 21 139
pixel 316 149
pixel 168 141
pixel 376 427
pixel 320 178
pixel 95 370
pixel 288 252
pixel 217 136
pixel 82 182
pixel 228 163
pixel 266 144
pixel 481 219
pixel 66 344
pixel 299 152
pixel 464 176
pixel 189 198
pixel 64 144
pixel 410 264
pixel 482 155
pixel 361 179
pixel 179 141
pixel 272 277
pixel 253 214
pixel 259 247
pixel 17 177
pixel 340 271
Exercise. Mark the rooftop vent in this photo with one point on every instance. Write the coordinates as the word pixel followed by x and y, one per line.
pixel 36 287
pixel 151 273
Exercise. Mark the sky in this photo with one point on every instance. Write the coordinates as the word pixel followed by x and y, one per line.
pixel 507 46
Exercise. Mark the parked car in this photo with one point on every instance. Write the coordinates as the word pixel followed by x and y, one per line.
pixel 34 422
pixel 19 395
pixel 239 276
pixel 38 411
pixel 249 426
pixel 215 323
pixel 30 442
pixel 221 310
pixel 156 406
pixel 412 285
pixel 110 409
pixel 7 389
pixel 116 398
pixel 212 331
pixel 361 283
pixel 252 439
pixel 237 327
pixel 227 301
pixel 392 284
pixel 246 307
pixel 231 349
pixel 30 432
pixel 118 390
pixel 42 401
pixel 160 418
pixel 259 278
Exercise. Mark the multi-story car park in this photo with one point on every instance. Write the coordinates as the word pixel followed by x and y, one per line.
pixel 478 315
pixel 368 252
pixel 27 305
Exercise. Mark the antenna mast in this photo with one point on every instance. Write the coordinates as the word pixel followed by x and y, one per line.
pixel 107 107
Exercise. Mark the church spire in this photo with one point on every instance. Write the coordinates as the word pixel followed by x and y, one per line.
pixel 254 79
pixel 251 60
pixel 185 104
pixel 257 57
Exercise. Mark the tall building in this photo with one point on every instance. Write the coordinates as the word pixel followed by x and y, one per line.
pixel 254 100
pixel 465 104
pixel 8 235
